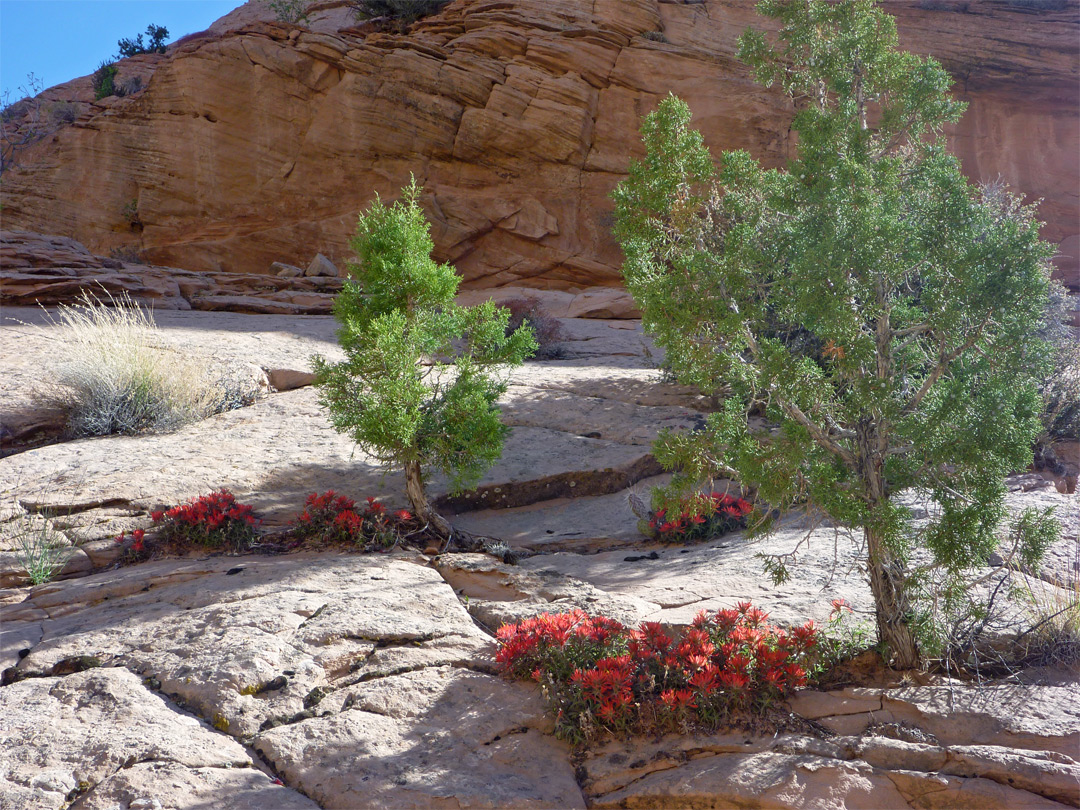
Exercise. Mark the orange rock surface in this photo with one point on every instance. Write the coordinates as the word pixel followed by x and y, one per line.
pixel 257 142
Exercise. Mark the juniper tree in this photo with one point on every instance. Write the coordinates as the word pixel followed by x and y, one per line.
pixel 419 383
pixel 870 302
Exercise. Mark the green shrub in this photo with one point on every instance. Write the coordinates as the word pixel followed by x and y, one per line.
pixel 290 11
pixel 877 308
pixel 104 80
pixel 401 13
pixel 421 376
pixel 41 550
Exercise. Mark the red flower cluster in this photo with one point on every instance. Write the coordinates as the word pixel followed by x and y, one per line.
pixel 216 520
pixel 334 518
pixel 138 542
pixel 601 675
pixel 702 517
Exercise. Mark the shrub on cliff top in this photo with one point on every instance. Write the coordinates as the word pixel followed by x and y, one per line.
pixel 398 12
pixel 872 303
pixel 133 47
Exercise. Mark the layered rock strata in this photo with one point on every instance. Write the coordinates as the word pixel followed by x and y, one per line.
pixel 258 142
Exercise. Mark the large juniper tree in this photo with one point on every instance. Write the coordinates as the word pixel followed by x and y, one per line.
pixel 869 300
pixel 421 376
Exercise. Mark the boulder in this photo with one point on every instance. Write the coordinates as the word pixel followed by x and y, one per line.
pixel 283 270
pixel 322 266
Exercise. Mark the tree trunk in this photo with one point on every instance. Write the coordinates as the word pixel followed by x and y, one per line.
pixel 414 488
pixel 422 508
pixel 890 603
pixel 886 572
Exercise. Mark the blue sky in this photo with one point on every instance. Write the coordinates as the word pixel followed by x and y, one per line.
pixel 61 39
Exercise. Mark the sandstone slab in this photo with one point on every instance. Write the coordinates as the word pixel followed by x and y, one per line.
pixel 355 676
pixel 498 594
pixel 434 738
pixel 720 573
pixel 100 734
pixel 216 639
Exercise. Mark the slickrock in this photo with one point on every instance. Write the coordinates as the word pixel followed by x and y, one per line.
pixel 434 738
pixel 361 680
pixel 874 769
pixel 97 737
pixel 257 141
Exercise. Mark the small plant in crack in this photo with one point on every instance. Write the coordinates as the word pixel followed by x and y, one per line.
pixel 40 548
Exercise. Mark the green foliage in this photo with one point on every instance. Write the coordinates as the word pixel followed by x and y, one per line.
pixel 290 11
pixel 41 550
pixel 104 80
pixel 872 303
pixel 1060 387
pixel 132 47
pixel 419 382
pixel 401 12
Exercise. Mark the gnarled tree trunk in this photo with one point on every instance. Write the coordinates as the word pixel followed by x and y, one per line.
pixel 891 603
pixel 422 508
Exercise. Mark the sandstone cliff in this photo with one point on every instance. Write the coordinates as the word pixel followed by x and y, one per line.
pixel 256 141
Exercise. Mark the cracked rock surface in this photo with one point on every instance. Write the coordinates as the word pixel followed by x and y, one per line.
pixel 100 737
pixel 368 681
pixel 360 681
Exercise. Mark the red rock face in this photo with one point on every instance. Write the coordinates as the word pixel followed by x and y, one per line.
pixel 256 143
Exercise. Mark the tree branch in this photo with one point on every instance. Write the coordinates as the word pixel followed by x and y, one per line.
pixel 943 366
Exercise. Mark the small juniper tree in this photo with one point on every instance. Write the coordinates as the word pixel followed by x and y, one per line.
pixel 133 47
pixel 419 383
pixel 868 300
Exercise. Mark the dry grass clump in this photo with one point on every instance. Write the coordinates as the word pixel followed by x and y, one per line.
pixel 1053 639
pixel 118 377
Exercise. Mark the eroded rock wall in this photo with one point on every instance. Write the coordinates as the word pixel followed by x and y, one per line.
pixel 255 142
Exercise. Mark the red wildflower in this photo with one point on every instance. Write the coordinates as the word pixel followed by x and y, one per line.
pixel 403 514
pixel 838 606
pixel 678 699
pixel 805 635
pixel 706 679
pixel 796 675
pixel 775 678
pixel 158 515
